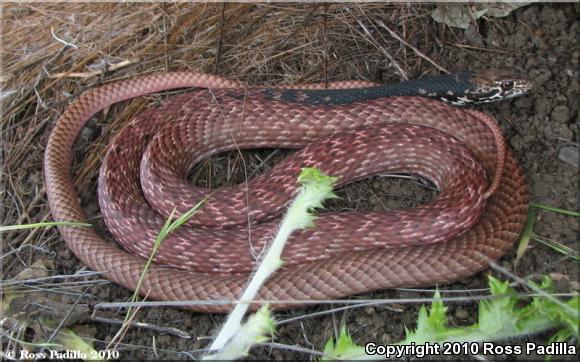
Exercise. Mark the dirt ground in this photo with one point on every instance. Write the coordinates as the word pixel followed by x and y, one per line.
pixel 540 40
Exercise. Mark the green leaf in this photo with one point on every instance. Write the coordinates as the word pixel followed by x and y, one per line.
pixel 500 318
pixel 526 235
pixel 558 247
pixel 42 225
pixel 429 323
pixel 344 347
pixel 257 329
pixel 315 188
pixel 72 342
pixel 557 210
pixel 497 317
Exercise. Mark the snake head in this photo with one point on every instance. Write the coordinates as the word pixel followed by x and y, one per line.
pixel 486 86
pixel 497 84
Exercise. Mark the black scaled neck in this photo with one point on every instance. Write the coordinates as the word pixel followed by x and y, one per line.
pixel 431 87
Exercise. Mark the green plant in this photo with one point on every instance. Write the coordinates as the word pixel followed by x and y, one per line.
pixel 501 317
pixel 232 341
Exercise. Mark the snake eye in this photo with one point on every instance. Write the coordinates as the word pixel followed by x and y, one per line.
pixel 507 84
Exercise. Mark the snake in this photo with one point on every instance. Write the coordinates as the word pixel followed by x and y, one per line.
pixel 349 129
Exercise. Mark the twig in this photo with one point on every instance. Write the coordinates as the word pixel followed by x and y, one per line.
pixel 288 347
pixel 169 330
pixel 50 278
pixel 191 303
pixel 220 39
pixel 64 319
pixel 41 77
pixel 94 73
pixel 264 161
pixel 330 311
pixel 480 48
pixel 66 43
pixel 37 248
pixel 417 51
pixel 383 50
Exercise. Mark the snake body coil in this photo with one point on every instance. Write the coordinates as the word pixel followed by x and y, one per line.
pixel 450 238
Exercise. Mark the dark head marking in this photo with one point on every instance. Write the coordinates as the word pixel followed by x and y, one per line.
pixel 495 85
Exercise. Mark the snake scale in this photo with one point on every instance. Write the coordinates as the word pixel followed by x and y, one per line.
pixel 351 131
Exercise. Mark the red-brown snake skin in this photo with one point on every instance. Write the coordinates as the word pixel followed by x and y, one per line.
pixel 450 238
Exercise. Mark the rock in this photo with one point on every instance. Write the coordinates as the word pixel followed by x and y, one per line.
pixel 570 155
pixel 461 313
pixel 560 114
pixel 369 310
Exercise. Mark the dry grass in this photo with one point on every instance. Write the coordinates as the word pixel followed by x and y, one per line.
pixel 53 52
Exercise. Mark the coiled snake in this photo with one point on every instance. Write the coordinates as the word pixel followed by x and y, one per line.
pixel 350 133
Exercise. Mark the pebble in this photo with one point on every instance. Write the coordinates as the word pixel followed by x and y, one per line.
pixel 558 277
pixel 473 36
pixel 461 314
pixel 540 76
pixel 87 133
pixel 187 323
pixel 570 155
pixel 35 178
pixel 554 130
pixel 369 310
pixel 560 114
pixel 378 321
pixel 386 339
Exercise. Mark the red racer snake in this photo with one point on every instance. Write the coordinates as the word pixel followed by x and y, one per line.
pixel 450 238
